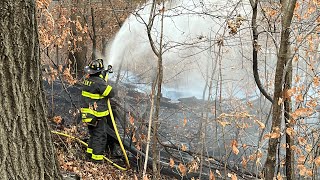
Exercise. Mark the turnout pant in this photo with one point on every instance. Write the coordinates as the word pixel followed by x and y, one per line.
pixel 99 139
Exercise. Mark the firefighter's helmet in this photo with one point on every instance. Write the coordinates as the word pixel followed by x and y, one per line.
pixel 94 67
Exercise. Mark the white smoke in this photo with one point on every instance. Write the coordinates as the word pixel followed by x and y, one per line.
pixel 192 30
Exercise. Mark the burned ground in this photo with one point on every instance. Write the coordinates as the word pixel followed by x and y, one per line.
pixel 179 130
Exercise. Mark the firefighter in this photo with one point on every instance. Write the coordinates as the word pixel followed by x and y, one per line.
pixel 95 111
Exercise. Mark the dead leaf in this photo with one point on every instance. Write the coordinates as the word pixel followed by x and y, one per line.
pixel 60 68
pixel 275 133
pixel 258 156
pixel 224 123
pixel 302 141
pixel 193 166
pixel 301 112
pixel 280 101
pixel 138 146
pixel 288 93
pixel 244 162
pixel 317 161
pixel 57 119
pixel 218 172
pixel 184 122
pixel 182 168
pixel 95 106
pixel 234 176
pixel 162 10
pixel 279 177
pixel 145 177
pixel 211 177
pixel 171 163
pixel 134 139
pixel 312 103
pixel 308 147
pixel 309 172
pixel 68 77
pixel 234 147
pixel 143 137
pixel 131 119
pixel 261 125
pixel 183 147
pixel 244 146
pixel 290 131
pixel 301 159
pixel 302 169
pixel 299 98
pixel 316 81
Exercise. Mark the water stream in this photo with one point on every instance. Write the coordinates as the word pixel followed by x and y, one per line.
pixel 191 33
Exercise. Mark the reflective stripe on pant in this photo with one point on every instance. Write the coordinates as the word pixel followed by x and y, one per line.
pixel 99 139
pixel 97 157
pixel 89 150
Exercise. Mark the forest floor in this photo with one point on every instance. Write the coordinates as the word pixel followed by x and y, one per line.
pixel 178 134
pixel 63 104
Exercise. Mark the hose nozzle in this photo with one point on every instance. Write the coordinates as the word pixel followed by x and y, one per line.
pixel 110 69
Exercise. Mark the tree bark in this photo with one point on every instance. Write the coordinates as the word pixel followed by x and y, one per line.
pixel 26 148
pixel 287 11
pixel 254 5
pixel 287 111
pixel 78 53
pixel 94 35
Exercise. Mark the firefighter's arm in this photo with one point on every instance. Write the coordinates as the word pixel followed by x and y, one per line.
pixel 106 90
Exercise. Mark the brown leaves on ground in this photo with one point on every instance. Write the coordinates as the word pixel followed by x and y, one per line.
pixel 57 119
pixel 131 119
pixel 244 162
pixel 193 166
pixel 185 122
pixel 232 176
pixel 90 171
pixel 183 147
pixel 182 168
pixel 279 177
pixel 211 176
pixel 171 163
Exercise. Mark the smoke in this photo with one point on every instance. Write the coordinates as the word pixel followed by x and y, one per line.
pixel 192 34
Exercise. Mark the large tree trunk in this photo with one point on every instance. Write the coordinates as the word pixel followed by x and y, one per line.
pixel 26 149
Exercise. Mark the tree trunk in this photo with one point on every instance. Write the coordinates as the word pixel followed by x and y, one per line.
pixel 287 11
pixel 155 149
pixel 94 35
pixel 78 53
pixel 26 149
pixel 289 139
